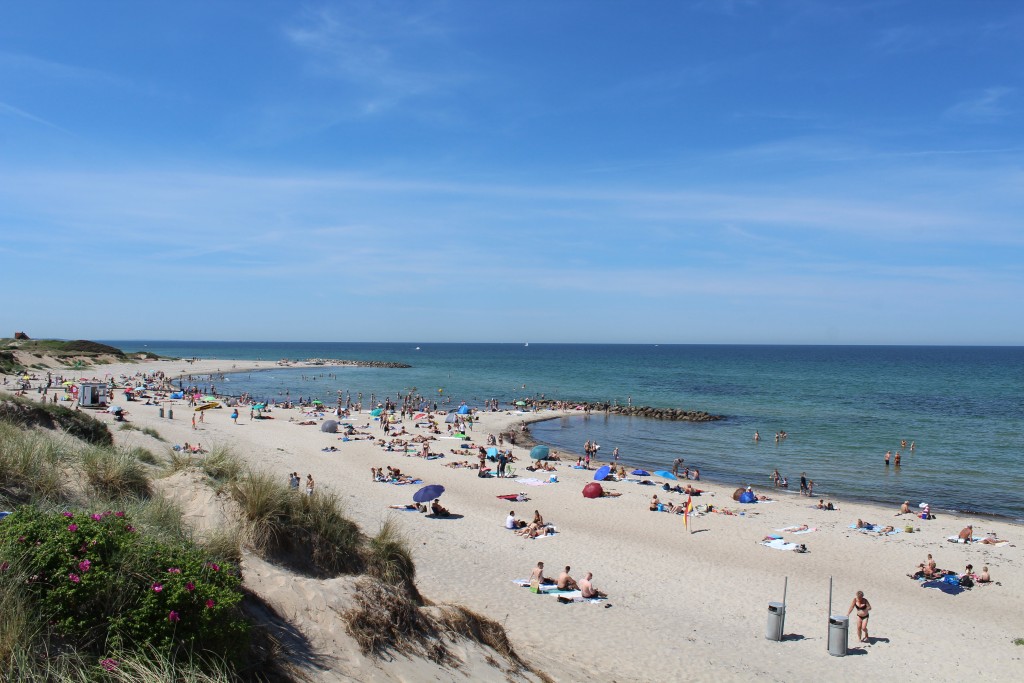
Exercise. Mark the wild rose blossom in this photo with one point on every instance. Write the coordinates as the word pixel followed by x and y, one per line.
pixel 75 578
pixel 130 529
pixel 210 603
pixel 109 664
pixel 72 527
pixel 119 514
pixel 97 517
pixel 4 566
pixel 190 586
pixel 67 514
pixel 84 565
pixel 173 570
pixel 157 587
pixel 173 617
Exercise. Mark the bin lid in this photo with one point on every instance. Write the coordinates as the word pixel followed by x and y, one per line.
pixel 838 619
pixel 777 606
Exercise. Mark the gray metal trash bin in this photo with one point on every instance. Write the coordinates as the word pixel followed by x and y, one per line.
pixel 170 413
pixel 161 412
pixel 776 620
pixel 838 631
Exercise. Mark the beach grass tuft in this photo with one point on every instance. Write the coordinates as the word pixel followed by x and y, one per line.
pixel 32 463
pixel 265 505
pixel 115 473
pixel 389 558
pixel 222 465
pixel 153 433
pixel 386 620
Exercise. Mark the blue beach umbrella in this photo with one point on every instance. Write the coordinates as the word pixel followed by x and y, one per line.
pixel 463 410
pixel 376 412
pixel 492 452
pixel 428 493
pixel 641 473
pixel 664 474
pixel 540 452
pixel 602 473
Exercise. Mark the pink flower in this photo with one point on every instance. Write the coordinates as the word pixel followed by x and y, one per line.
pixel 119 514
pixel 75 578
pixel 130 529
pixel 214 566
pixel 4 566
pixel 84 565
pixel 190 586
pixel 72 527
pixel 108 664
pixel 157 587
pixel 173 570
pixel 97 517
pixel 67 514
pixel 173 617
pixel 210 603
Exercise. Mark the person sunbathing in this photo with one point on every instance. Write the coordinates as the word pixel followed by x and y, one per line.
pixel 566 582
pixel 439 510
pixel 991 540
pixel 587 587
pixel 886 530
pixel 534 530
pixel 654 504
pixel 861 524
pixel 610 494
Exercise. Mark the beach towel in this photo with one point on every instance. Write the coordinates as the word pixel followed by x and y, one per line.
pixel 545 588
pixel 947 587
pixel 530 481
pixel 874 529
pixel 805 531
pixel 779 544
pixel 957 539
pixel 518 497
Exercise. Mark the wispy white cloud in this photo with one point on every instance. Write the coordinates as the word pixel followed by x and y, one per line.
pixel 985 107
pixel 378 49
pixel 21 113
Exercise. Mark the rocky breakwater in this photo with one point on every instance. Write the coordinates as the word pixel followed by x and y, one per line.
pixel 357 363
pixel 673 414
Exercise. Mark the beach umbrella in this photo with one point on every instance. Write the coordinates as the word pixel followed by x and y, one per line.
pixel 428 493
pixel 329 426
pixel 209 398
pixel 602 472
pixel 520 403
pixel 318 403
pixel 419 416
pixel 664 474
pixel 641 473
pixel 737 493
pixel 377 412
pixel 747 497
pixel 492 452
pixel 258 406
pixel 592 490
pixel 451 418
pixel 540 452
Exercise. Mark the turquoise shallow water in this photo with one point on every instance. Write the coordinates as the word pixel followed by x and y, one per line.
pixel 843 406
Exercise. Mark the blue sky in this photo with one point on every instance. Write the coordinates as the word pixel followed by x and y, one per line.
pixel 776 171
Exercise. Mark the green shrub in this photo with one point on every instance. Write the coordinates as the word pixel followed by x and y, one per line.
pixel 99 584
pixel 78 424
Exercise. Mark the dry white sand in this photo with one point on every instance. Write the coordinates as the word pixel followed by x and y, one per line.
pixel 683 605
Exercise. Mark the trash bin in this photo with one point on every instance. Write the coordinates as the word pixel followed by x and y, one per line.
pixel 170 413
pixel 838 630
pixel 161 412
pixel 776 621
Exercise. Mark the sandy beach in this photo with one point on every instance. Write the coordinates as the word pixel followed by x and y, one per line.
pixel 681 604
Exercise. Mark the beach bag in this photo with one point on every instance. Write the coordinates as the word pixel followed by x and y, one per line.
pixel 966 581
pixel 534 586
pixel 952 580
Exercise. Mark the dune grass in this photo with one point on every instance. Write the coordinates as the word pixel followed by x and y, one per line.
pixel 149 431
pixel 389 558
pixel 32 463
pixel 114 473
pixel 222 465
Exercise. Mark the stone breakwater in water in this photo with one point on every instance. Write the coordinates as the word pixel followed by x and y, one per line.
pixel 357 363
pixel 673 414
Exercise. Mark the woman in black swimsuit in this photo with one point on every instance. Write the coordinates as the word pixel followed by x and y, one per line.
pixel 863 607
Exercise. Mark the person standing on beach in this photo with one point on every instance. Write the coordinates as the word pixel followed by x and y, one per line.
pixel 310 484
pixel 863 607
pixel 803 483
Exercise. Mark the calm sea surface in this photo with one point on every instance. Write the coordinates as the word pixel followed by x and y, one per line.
pixel 842 406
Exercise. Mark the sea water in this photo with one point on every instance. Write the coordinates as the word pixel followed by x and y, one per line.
pixel 842 406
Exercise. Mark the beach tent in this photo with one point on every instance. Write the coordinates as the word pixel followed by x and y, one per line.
pixel 665 474
pixel 540 452
pixel 451 418
pixel 463 410
pixel 329 426
pixel 737 493
pixel 592 490
pixel 376 412
pixel 748 497
pixel 177 394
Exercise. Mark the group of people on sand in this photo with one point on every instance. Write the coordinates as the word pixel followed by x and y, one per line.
pixel 928 570
pixel 565 582
pixel 294 480
pixel 532 529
